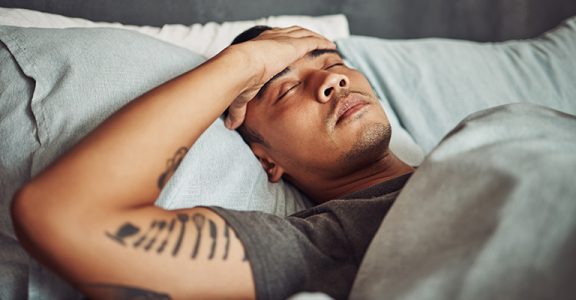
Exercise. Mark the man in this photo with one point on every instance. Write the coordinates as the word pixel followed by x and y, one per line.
pixel 307 117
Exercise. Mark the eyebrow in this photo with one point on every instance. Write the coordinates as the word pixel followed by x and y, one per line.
pixel 318 52
pixel 312 54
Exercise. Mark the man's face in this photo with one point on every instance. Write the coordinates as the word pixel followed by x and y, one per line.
pixel 318 118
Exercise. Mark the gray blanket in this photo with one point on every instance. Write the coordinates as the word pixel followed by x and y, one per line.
pixel 490 214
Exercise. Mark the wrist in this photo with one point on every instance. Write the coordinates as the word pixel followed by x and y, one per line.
pixel 249 68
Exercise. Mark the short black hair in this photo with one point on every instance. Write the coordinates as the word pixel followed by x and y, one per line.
pixel 248 134
pixel 250 33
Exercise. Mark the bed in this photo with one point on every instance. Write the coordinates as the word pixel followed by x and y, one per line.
pixel 432 63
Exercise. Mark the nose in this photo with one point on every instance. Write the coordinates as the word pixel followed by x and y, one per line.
pixel 333 83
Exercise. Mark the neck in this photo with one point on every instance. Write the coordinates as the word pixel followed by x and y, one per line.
pixel 388 167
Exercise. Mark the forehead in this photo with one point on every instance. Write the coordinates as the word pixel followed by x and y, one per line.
pixel 311 55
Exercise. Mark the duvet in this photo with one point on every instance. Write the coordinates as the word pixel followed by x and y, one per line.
pixel 490 214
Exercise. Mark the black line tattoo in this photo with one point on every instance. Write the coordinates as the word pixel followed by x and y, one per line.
pixel 227 243
pixel 183 218
pixel 171 166
pixel 125 231
pixel 245 258
pixel 112 291
pixel 213 233
pixel 161 234
pixel 145 235
pixel 167 237
pixel 161 225
pixel 198 220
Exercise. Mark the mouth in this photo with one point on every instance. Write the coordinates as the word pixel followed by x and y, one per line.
pixel 349 106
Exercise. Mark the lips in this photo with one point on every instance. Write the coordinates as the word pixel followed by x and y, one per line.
pixel 348 106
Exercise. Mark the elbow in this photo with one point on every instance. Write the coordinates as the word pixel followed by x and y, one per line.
pixel 35 223
pixel 21 209
pixel 30 217
pixel 19 206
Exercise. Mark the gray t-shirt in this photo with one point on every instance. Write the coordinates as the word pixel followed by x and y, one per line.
pixel 315 250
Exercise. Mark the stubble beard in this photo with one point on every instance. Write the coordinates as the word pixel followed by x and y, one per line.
pixel 369 148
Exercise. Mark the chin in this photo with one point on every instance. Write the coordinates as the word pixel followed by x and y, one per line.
pixel 370 146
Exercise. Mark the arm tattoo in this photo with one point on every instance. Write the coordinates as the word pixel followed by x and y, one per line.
pixel 227 237
pixel 183 218
pixel 145 235
pixel 111 291
pixel 123 232
pixel 168 234
pixel 162 234
pixel 171 166
pixel 160 227
pixel 213 233
pixel 198 220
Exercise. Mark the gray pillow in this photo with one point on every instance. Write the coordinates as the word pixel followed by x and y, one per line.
pixel 17 143
pixel 432 84
pixel 67 81
pixel 83 75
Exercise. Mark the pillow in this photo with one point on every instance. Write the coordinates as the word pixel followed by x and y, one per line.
pixel 211 38
pixel 84 75
pixel 66 81
pixel 17 143
pixel 401 143
pixel 206 39
pixel 432 84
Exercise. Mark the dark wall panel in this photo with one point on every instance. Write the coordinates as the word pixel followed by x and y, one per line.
pixel 480 20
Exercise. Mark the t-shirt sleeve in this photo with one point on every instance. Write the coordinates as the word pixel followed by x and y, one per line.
pixel 294 254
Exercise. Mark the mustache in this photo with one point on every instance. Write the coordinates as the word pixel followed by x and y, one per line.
pixel 336 98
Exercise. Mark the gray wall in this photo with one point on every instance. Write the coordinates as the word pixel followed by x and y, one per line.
pixel 480 20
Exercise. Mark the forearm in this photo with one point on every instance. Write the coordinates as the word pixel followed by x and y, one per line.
pixel 90 213
pixel 119 164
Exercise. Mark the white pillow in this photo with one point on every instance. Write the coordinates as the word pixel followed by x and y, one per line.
pixel 207 39
pixel 432 84
pixel 211 38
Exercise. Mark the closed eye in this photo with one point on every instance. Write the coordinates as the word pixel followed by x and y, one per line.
pixel 283 94
pixel 335 65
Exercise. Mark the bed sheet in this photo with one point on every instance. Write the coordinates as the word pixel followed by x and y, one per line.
pixel 488 215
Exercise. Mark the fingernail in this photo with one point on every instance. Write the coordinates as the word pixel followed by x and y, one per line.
pixel 227 123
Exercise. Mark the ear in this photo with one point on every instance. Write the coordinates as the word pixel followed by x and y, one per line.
pixel 269 165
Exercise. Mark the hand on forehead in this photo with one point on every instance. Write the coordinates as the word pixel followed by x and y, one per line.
pixel 269 54
pixel 312 54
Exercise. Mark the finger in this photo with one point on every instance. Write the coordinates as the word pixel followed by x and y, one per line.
pixel 306 31
pixel 235 117
pixel 298 32
pixel 292 31
pixel 314 42
pixel 295 32
pixel 287 29
pixel 279 31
